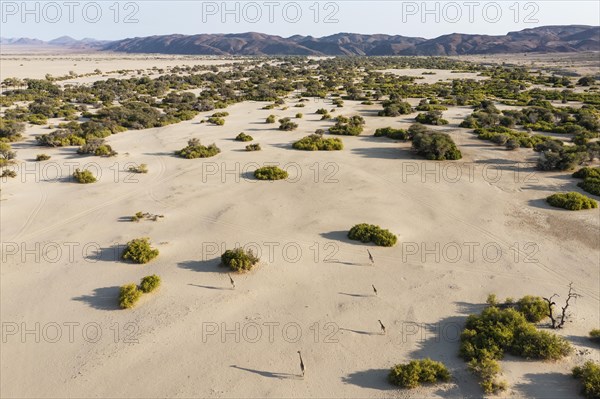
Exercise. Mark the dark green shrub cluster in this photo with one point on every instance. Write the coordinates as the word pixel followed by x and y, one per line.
pixel 8 173
pixel 244 137
pixel 98 147
pixel 149 283
pixel 253 147
pixel 395 134
pixel 591 180
pixel 11 130
pixel 395 108
pixel 589 375
pixel 7 155
pixel 502 136
pixel 571 201
pixel 271 119
pixel 489 335
pixel 435 146
pixel 195 149
pixel 270 173
pixel 42 157
pixel 84 176
pixel 371 233
pixel 418 372
pixel 586 172
pixel 425 105
pixel 287 125
pixel 352 126
pixel 433 117
pixel 239 260
pixel 59 138
pixel 316 142
pixel 139 250
pixel 129 295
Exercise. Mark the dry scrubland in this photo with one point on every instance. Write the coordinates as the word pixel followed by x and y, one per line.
pixel 216 200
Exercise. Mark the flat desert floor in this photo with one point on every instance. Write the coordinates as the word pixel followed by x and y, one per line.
pixel 466 229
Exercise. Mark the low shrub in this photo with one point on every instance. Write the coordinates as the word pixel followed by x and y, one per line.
pixel 371 233
pixel 590 185
pixel 395 134
pixel 244 137
pixel 129 295
pixel 8 173
pixel 196 150
pixel 299 115
pixel 316 142
pixel 216 121
pixel 270 173
pixel 433 117
pixel 42 157
pixel 140 251
pixel 571 201
pixel 489 335
pixel 239 260
pixel 595 335
pixel 589 375
pixel 253 147
pixel 352 126
pixel 141 168
pixel 417 372
pixel 586 172
pixel 271 119
pixel 534 308
pixel 287 125
pixel 84 176
pixel 436 146
pixel 149 283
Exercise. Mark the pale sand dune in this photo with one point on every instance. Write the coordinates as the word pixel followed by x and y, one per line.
pixel 371 182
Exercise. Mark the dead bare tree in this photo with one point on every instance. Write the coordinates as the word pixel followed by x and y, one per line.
pixel 559 320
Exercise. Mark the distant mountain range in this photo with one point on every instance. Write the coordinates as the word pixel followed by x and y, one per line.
pixel 63 41
pixel 570 38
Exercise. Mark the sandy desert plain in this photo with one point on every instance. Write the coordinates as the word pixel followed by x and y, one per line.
pixel 312 290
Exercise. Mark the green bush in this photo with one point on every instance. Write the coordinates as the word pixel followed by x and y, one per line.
pixel 589 375
pixel 417 372
pixel 316 142
pixel 488 369
pixel 216 121
pixel 534 308
pixel 586 172
pixel 141 168
pixel 595 335
pixel 239 260
pixel 270 173
pixel 129 295
pixel 8 173
pixel 433 117
pixel 371 233
pixel 436 146
pixel 352 126
pixel 395 134
pixel 299 115
pixel 139 250
pixel 287 125
pixel 243 137
pixel 84 176
pixel 590 185
pixel 253 147
pixel 196 150
pixel 149 283
pixel 489 335
pixel 271 119
pixel 571 201
pixel 42 157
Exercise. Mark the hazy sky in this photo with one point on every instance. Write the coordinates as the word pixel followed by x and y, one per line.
pixel 120 19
